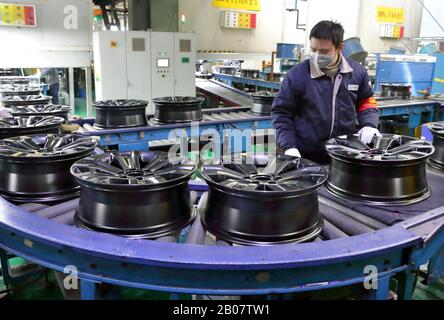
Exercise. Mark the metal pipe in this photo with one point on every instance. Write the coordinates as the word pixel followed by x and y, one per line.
pixel 169 239
pixel 72 103
pixel 31 207
pixel 88 84
pixel 270 78
pixel 197 233
pixel 65 218
pixel 369 222
pixel 345 223
pixel 81 130
pixel 52 212
pixel 89 127
pixel 221 243
pixel 331 232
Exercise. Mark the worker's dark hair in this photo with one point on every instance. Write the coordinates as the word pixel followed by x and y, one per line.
pixel 328 30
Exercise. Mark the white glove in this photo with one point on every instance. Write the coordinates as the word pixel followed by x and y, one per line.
pixel 5 113
pixel 293 153
pixel 367 134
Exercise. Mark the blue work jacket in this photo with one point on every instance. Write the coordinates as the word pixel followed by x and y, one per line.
pixel 312 107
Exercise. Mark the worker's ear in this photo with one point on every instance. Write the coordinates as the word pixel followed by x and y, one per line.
pixel 341 46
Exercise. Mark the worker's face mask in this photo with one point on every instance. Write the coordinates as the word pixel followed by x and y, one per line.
pixel 321 60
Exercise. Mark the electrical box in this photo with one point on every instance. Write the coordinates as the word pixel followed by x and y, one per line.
pixel 144 65
pixel 162 58
pixel 109 50
pixel 184 64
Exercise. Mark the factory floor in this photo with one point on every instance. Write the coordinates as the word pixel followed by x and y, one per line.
pixel 46 288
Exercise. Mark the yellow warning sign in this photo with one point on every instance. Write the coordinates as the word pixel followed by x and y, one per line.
pixel 249 5
pixel 391 15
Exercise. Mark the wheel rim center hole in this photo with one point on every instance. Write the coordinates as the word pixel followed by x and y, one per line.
pixel 376 152
pixel 134 173
pixel 264 178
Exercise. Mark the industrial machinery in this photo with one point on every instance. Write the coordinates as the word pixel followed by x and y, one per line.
pixel 396 91
pixel 215 120
pixel 144 65
pixel 352 238
pixel 414 70
pixel 230 70
pixel 113 114
pixel 263 200
pixel 437 159
pixel 135 194
pixel 394 239
pixel 287 55
pixel 250 73
pixel 177 109
pixel 390 171
pixel 19 126
pixel 36 168
pixel 262 102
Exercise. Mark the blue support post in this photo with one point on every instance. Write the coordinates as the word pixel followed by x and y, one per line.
pixel 88 289
pixel 5 268
pixel 406 285
pixel 378 71
pixel 174 296
pixel 382 292
pixel 414 121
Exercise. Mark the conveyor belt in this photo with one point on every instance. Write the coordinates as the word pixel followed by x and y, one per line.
pixel 203 265
pixel 390 103
pixel 231 96
pixel 343 218
pixel 390 215
pixel 210 117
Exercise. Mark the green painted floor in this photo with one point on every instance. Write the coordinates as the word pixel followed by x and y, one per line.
pixel 46 288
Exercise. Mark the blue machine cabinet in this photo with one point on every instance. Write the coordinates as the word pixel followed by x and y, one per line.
pixel 417 71
pixel 438 78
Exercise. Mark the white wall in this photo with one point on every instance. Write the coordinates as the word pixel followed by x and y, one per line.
pixel 277 25
pixel 344 11
pixel 369 27
pixel 359 19
pixel 49 44
pixel 289 32
pixel 429 28
pixel 204 20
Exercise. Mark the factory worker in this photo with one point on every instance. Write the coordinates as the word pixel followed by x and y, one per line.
pixel 323 97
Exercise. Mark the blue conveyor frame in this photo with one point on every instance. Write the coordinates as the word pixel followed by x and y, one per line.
pixel 396 251
pixel 139 138
pixel 198 269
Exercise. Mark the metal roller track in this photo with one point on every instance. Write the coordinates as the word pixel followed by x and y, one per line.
pixel 391 170
pixel 223 268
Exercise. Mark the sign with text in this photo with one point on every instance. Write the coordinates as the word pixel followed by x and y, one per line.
pixel 249 5
pixel 238 20
pixel 390 15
